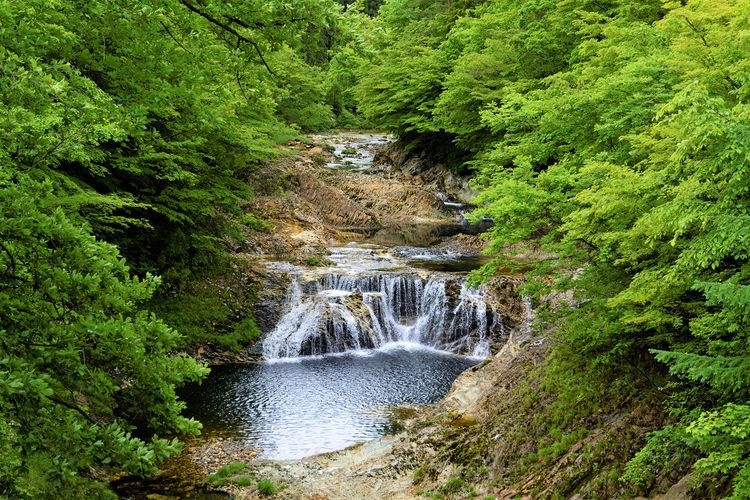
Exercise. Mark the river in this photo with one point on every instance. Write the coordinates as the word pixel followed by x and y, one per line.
pixel 389 321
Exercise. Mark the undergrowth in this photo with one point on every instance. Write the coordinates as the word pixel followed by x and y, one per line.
pixel 236 473
pixel 213 310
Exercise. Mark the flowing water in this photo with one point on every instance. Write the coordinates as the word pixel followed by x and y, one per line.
pixel 354 151
pixel 390 321
pixel 338 312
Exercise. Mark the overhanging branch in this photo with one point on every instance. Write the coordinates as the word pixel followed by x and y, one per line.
pixel 279 23
pixel 73 407
pixel 171 35
pixel 229 29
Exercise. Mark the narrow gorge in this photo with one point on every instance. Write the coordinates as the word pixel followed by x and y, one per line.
pixel 359 322
pixel 367 249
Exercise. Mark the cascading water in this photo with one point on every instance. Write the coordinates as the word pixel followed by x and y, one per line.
pixel 396 308
pixel 336 313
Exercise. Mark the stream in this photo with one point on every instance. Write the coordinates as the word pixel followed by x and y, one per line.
pixel 389 320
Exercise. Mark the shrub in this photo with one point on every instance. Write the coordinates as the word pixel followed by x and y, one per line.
pixel 266 487
pixel 255 223
pixel 223 475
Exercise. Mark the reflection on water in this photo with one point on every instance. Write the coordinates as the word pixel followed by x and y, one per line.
pixel 367 257
pixel 307 406
pixel 410 246
pixel 420 235
pixel 440 259
pixel 462 264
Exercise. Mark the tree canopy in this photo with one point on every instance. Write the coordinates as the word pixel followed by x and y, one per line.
pixel 87 378
pixel 129 131
pixel 150 117
pixel 614 136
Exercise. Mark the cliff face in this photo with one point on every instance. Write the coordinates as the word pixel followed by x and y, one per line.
pixel 419 168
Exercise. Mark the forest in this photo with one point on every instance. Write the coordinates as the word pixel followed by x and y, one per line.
pixel 611 138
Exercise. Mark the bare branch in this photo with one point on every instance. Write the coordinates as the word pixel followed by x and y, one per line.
pixel 208 17
pixel 700 34
pixel 169 32
pixel 73 407
pixel 12 265
pixel 696 30
pixel 250 26
pixel 239 84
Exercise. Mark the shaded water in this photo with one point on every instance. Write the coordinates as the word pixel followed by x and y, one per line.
pixel 294 409
pixel 444 260
pixel 420 235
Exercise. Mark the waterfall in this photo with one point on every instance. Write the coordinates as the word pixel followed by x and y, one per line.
pixel 335 313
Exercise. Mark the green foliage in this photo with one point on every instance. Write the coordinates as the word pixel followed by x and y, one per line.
pixel 313 261
pixel 209 316
pixel 83 370
pixel 663 451
pixel 453 485
pixel 255 223
pixel 148 119
pixel 301 100
pixel 244 333
pixel 242 480
pixel 232 473
pixel 369 7
pixel 562 441
pixel 402 79
pixel 350 51
pixel 419 474
pixel 266 487
pixel 610 137
pixel 723 436
pixel 140 125
pixel 227 474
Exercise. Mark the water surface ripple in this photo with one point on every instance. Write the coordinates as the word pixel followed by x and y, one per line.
pixel 293 409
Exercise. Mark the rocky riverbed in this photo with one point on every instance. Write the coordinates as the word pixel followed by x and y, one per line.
pixel 327 193
pixel 475 441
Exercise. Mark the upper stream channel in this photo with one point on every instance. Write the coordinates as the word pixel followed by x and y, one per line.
pixel 389 320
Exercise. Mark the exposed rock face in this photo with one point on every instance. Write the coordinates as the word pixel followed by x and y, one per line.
pixel 319 205
pixel 393 202
pixel 269 300
pixel 330 205
pixel 357 199
pixel 417 168
pixel 316 206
